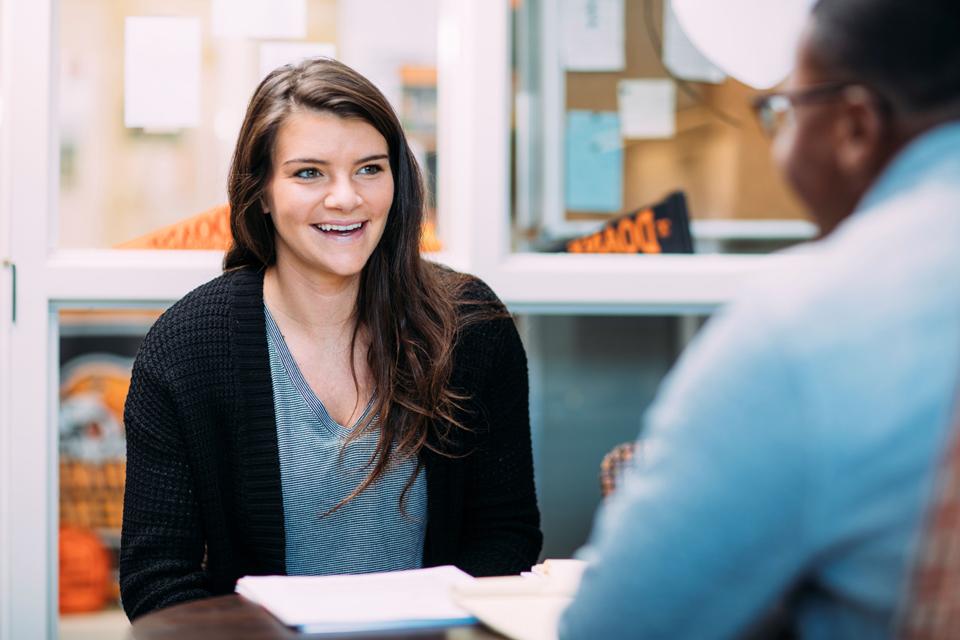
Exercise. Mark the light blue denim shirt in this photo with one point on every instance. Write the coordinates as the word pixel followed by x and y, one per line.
pixel 796 441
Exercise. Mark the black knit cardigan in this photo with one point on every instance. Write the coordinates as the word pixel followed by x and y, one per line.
pixel 203 503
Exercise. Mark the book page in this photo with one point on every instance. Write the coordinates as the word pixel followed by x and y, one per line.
pixel 397 599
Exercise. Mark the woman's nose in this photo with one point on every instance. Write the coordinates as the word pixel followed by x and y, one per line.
pixel 343 196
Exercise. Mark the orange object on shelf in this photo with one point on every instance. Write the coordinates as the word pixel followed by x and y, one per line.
pixel 84 571
pixel 207 230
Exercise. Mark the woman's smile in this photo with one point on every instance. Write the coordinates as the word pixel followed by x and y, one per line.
pixel 341 232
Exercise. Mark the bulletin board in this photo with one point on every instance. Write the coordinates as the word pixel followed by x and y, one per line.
pixel 725 169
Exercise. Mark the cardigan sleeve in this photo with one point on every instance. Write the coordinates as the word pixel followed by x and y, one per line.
pixel 501 518
pixel 162 544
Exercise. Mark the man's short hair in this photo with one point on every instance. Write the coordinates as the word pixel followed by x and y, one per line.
pixel 907 50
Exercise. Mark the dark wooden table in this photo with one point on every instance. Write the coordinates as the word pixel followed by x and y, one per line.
pixel 235 618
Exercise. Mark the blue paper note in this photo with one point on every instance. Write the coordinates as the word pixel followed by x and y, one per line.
pixel 594 162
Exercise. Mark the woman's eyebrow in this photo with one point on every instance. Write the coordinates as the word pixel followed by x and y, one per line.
pixel 379 156
pixel 305 161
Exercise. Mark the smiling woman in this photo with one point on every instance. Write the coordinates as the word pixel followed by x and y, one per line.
pixel 333 176
pixel 333 403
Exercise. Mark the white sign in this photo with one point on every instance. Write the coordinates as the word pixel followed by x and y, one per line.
pixel 681 57
pixel 161 73
pixel 259 18
pixel 648 108
pixel 754 41
pixel 277 54
pixel 593 37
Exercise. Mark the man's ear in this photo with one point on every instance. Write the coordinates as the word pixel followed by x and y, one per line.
pixel 860 132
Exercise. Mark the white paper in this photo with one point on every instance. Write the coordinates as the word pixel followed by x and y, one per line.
pixel 680 55
pixel 161 73
pixel 520 617
pixel 648 108
pixel 373 601
pixel 259 18
pixel 593 35
pixel 523 608
pixel 276 54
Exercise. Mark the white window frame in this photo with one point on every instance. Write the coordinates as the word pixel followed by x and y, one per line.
pixel 473 139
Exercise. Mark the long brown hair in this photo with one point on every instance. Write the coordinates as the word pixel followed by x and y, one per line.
pixel 413 310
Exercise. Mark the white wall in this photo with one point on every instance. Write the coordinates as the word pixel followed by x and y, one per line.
pixel 377 37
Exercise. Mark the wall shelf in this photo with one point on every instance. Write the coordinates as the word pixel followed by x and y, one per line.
pixel 528 283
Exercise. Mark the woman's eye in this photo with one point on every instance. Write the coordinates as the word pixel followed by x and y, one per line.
pixel 307 173
pixel 370 170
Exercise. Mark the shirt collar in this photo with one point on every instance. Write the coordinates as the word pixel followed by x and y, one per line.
pixel 924 155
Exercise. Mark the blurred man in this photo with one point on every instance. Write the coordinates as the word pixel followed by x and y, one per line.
pixel 790 455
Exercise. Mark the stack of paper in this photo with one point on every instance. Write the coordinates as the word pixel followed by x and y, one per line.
pixel 357 603
pixel 526 607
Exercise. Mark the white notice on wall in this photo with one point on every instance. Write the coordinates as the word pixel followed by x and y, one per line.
pixel 592 32
pixel 259 18
pixel 647 108
pixel 681 57
pixel 276 54
pixel 161 73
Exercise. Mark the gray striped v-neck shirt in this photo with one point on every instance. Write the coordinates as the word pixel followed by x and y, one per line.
pixel 317 471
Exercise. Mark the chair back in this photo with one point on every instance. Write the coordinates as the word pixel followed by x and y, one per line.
pixel 932 611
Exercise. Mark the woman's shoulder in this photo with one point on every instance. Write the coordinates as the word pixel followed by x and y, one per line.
pixel 202 316
pixel 485 323
pixel 476 291
pixel 468 290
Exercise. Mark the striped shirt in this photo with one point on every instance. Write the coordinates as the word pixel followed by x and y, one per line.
pixel 318 469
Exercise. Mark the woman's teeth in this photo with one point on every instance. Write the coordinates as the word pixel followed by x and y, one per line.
pixel 339 227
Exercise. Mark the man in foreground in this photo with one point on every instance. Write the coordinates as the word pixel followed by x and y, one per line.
pixel 791 454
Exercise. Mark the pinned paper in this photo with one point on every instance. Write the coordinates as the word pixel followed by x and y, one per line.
pixel 681 57
pixel 161 73
pixel 648 108
pixel 277 54
pixel 594 162
pixel 259 18
pixel 593 38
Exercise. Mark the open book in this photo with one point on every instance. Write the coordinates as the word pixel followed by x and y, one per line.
pixel 361 603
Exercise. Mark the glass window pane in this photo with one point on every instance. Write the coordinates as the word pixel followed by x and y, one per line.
pixel 591 379
pixel 97 348
pixel 140 168
pixel 603 129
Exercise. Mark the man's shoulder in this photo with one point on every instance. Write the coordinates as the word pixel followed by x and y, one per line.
pixel 879 264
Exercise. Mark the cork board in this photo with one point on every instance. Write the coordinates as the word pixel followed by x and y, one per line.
pixel 726 171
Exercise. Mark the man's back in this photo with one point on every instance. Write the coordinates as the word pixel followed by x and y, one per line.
pixel 794 446
pixel 877 349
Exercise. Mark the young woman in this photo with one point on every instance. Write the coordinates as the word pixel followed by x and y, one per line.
pixel 333 403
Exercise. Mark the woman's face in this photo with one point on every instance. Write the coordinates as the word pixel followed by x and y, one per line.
pixel 329 194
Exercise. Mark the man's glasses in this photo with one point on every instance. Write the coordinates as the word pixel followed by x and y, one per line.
pixel 773 110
